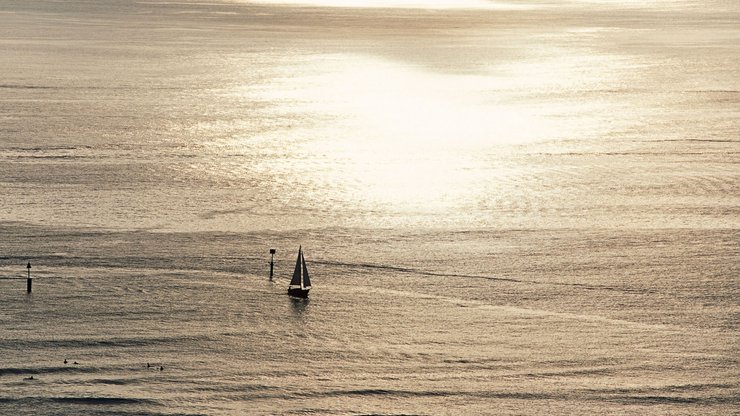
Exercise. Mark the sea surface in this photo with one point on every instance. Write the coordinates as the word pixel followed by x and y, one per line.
pixel 507 208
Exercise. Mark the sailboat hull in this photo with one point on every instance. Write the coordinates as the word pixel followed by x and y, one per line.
pixel 299 293
pixel 300 283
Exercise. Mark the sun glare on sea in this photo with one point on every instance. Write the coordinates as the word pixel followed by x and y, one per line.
pixel 397 135
pixel 378 134
pixel 428 4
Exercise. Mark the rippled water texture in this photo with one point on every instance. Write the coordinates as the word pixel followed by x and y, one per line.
pixel 507 207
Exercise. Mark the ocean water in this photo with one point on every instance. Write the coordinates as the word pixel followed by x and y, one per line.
pixel 506 208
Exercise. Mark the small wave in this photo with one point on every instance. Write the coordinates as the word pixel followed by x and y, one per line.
pixel 415 271
pixel 239 388
pixel 713 91
pixel 45 153
pixel 112 382
pixel 100 405
pixel 46 148
pixel 676 400
pixel 697 140
pixel 567 373
pixel 103 343
pixel 102 400
pixel 25 87
pixel 45 370
pixel 219 213
pixel 699 387
pixel 519 395
pixel 390 393
pixel 381 392
pixel 721 394
pixel 389 414
pixel 51 157
pixel 476 362
pixel 500 279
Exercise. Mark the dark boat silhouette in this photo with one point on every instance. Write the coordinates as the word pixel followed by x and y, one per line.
pixel 300 284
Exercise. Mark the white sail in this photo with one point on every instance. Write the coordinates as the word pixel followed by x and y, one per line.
pixel 306 280
pixel 300 284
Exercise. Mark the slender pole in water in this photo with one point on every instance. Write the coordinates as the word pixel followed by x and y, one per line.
pixel 28 281
pixel 272 261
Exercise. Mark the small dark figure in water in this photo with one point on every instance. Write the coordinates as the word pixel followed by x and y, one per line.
pixel 65 361
pixel 29 378
pixel 76 363
pixel 148 366
pixel 161 368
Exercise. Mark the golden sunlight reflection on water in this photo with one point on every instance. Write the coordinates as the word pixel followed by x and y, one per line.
pixel 407 138
pixel 305 117
pixel 429 4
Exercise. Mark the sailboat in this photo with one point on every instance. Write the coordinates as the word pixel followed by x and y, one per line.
pixel 300 284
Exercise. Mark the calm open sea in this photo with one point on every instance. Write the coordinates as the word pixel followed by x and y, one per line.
pixel 529 208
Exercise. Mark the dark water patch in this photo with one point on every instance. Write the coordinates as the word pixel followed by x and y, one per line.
pixel 118 412
pixel 89 411
pixel 515 395
pixel 53 157
pixel 188 264
pixel 670 388
pixel 209 215
pixel 713 91
pixel 103 400
pixel 642 153
pixel 661 395
pixel 460 361
pixel 46 148
pixel 390 414
pixel 568 373
pixel 420 272
pixel 413 271
pixel 84 400
pixel 111 382
pixel 118 406
pixel 26 87
pixel 661 400
pixel 581 363
pixel 86 87
pixel 46 370
pixel 478 362
pixel 697 140
pixel 386 392
pixel 312 411
pixel 147 413
pixel 519 395
pixel 700 387
pixel 236 388
pixel 100 343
